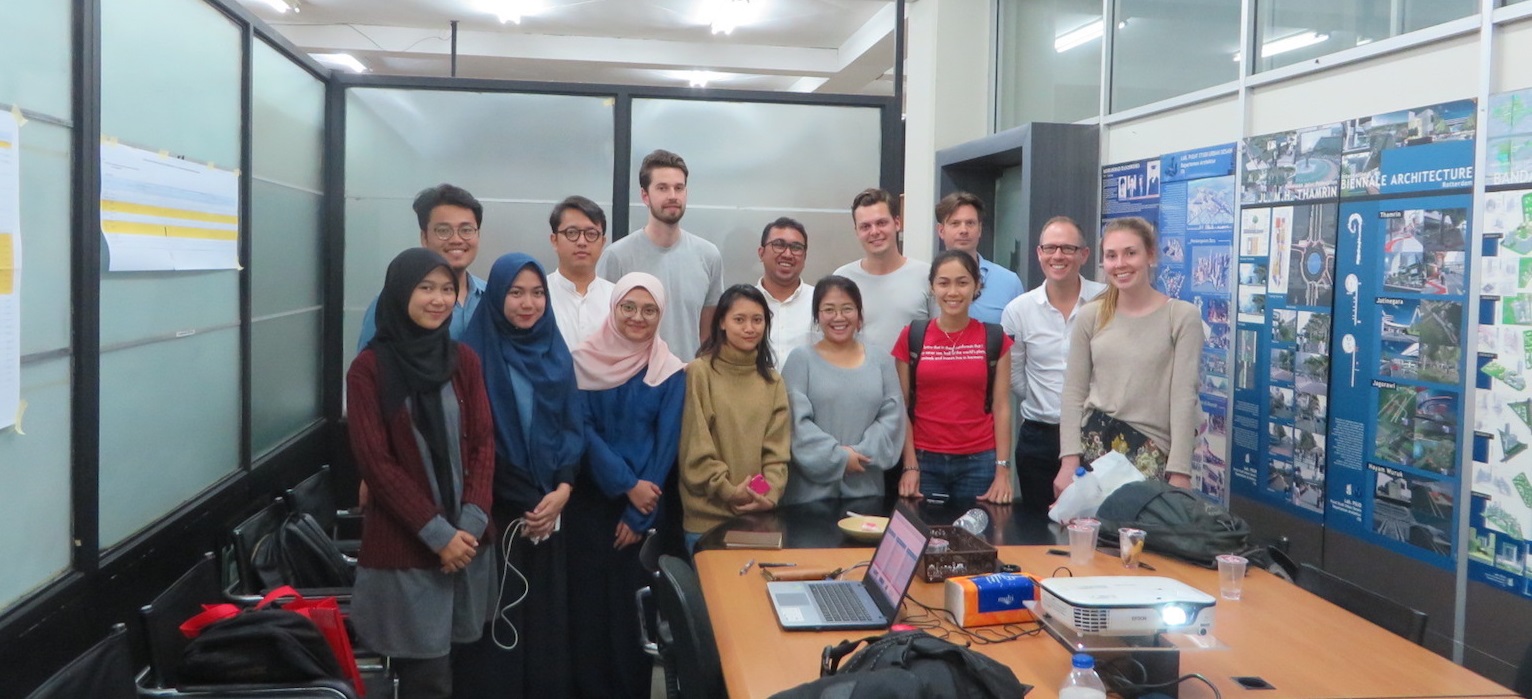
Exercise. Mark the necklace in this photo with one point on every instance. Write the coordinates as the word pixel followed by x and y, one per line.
pixel 950 339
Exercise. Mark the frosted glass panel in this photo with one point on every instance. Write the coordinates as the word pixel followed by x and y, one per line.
pixel 284 377
pixel 1166 49
pixel 288 116
pixel 285 272
pixel 518 154
pixel 34 483
pixel 751 163
pixel 34 48
pixel 45 194
pixel 169 427
pixel 1035 81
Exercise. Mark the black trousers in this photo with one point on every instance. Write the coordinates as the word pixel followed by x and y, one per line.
pixel 1037 463
pixel 430 678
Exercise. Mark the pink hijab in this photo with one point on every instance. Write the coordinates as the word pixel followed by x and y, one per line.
pixel 606 359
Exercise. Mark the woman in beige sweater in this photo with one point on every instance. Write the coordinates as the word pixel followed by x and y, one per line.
pixel 1131 381
pixel 736 427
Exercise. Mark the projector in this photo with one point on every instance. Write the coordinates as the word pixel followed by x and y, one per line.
pixel 1127 605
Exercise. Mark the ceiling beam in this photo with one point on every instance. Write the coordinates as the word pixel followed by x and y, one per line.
pixel 864 56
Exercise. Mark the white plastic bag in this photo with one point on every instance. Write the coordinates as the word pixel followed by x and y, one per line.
pixel 1084 495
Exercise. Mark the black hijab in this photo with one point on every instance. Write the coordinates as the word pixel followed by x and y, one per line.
pixel 414 362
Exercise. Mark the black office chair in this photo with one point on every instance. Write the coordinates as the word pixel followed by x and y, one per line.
pixel 162 620
pixel 315 496
pixel 105 671
pixel 698 670
pixel 245 542
pixel 1393 616
pixel 653 633
pixel 1523 684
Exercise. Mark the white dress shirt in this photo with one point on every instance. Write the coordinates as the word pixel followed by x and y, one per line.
pixel 1042 346
pixel 791 320
pixel 579 316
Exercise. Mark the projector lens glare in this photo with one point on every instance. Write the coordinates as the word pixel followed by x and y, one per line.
pixel 1173 616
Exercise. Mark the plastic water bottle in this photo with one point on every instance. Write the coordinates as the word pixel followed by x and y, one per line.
pixel 1083 682
pixel 974 520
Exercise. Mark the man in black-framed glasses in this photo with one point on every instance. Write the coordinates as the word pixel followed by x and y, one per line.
pixel 581 299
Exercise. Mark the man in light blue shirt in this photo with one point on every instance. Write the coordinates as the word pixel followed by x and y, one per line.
pixel 960 224
pixel 449 225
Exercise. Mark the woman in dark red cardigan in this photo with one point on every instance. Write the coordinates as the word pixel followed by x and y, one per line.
pixel 421 432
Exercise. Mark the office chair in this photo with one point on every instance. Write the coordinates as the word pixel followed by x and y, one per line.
pixel 1523 683
pixel 1393 616
pixel 684 613
pixel 105 671
pixel 653 633
pixel 315 496
pixel 162 620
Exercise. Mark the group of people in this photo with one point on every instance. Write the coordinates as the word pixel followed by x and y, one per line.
pixel 519 436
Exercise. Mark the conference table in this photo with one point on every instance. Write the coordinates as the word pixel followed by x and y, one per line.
pixel 1300 644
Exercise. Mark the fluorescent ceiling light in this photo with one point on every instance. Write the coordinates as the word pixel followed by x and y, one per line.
pixel 515 10
pixel 1291 43
pixel 281 5
pixel 1079 36
pixel 343 61
pixel 700 78
pixel 726 15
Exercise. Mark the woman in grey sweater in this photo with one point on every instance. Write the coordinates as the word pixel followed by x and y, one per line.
pixel 848 410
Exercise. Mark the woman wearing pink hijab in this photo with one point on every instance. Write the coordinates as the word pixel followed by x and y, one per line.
pixel 634 388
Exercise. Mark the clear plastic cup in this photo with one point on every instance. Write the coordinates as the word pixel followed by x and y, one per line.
pixel 1130 543
pixel 1082 543
pixel 1231 576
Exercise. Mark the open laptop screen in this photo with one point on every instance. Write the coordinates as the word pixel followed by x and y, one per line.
pixel 893 566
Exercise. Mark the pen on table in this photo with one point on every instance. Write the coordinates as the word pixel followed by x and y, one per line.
pixel 773 564
pixel 746 568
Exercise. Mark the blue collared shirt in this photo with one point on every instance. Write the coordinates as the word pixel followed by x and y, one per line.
pixel 1000 286
pixel 457 323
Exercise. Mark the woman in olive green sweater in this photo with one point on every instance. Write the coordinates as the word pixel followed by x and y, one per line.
pixel 737 422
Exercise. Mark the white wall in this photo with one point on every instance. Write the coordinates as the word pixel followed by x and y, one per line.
pixel 1196 126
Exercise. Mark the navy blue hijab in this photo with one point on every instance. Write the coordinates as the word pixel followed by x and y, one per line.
pixel 552 436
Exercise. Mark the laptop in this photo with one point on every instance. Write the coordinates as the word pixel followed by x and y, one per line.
pixel 870 603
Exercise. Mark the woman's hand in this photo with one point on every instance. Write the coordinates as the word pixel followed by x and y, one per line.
pixel 456 555
pixel 999 491
pixel 625 536
pixel 1067 466
pixel 856 462
pixel 542 519
pixel 909 483
pixel 1179 480
pixel 644 495
pixel 758 503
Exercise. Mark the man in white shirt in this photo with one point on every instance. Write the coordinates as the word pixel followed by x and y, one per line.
pixel 960 225
pixel 690 267
pixel 1040 321
pixel 581 300
pixel 783 252
pixel 896 290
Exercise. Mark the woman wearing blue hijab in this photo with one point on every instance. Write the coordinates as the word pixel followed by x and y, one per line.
pixel 538 419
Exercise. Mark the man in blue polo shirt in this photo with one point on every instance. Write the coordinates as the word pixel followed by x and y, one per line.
pixel 960 224
pixel 449 224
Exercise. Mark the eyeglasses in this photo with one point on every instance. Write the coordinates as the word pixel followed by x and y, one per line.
pixel 573 234
pixel 1050 248
pixel 444 232
pixel 628 309
pixel 780 246
pixel 843 311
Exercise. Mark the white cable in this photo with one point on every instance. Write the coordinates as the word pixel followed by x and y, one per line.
pixel 503 613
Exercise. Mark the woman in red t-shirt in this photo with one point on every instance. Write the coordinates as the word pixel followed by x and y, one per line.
pixel 952 447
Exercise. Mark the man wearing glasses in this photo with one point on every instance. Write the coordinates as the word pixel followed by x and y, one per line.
pixel 783 252
pixel 1040 321
pixel 960 225
pixel 581 300
pixel 449 225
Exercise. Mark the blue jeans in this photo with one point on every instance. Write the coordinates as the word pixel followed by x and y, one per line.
pixel 959 476
pixel 691 542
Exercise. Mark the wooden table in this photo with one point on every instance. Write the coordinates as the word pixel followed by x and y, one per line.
pixel 1301 644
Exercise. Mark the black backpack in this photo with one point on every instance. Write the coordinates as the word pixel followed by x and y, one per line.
pixel 299 553
pixel 1176 521
pixel 259 646
pixel 993 342
pixel 908 664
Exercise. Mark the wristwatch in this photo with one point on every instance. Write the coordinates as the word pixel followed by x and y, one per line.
pixel 1002 463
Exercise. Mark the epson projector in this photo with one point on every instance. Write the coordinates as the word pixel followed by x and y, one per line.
pixel 1127 605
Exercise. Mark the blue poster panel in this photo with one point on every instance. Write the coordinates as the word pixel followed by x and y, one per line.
pixel 1427 149
pixel 1500 515
pixel 1282 361
pixel 1509 130
pixel 1290 166
pixel 1131 189
pixel 1398 372
pixel 1197 213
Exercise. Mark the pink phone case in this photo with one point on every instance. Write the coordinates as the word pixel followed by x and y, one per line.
pixel 759 485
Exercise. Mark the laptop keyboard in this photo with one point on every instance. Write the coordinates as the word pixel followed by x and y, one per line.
pixel 838 602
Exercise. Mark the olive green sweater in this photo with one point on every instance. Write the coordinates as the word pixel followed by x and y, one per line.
pixel 735 425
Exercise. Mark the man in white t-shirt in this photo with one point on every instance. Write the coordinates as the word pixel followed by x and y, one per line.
pixel 1040 321
pixel 783 252
pixel 690 267
pixel 896 290
pixel 581 300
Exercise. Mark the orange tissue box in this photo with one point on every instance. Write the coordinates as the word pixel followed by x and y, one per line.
pixel 986 600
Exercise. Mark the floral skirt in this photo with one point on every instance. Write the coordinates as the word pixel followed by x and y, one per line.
pixel 1102 432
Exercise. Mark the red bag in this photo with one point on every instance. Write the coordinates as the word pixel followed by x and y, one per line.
pixel 325 613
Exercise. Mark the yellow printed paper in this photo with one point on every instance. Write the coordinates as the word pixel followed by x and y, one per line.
pixel 7 264
pixel 160 212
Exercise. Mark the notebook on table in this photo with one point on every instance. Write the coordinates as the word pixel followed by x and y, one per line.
pixel 870 603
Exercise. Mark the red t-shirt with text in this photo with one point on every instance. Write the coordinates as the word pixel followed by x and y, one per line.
pixel 950 389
